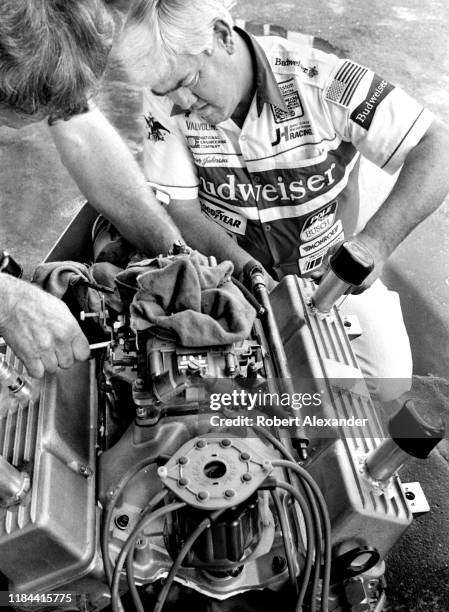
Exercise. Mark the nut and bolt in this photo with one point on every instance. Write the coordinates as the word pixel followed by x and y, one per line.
pixel 122 521
pixel 86 471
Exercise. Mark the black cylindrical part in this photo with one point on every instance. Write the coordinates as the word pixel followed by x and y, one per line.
pixel 414 433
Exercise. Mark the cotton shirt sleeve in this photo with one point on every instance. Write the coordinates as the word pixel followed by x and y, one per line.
pixel 167 160
pixel 381 120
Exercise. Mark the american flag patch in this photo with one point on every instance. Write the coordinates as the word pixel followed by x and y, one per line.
pixel 345 83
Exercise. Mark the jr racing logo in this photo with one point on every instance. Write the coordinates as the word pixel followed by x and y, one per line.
pixel 287 134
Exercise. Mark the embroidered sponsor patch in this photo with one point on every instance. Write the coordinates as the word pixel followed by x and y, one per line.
pixel 210 142
pixel 345 83
pixel 378 91
pixel 231 221
pixel 156 131
pixel 312 262
pixel 319 222
pixel 214 161
pixel 292 102
pixel 290 64
pixel 322 241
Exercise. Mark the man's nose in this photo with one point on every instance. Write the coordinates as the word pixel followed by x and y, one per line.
pixel 183 97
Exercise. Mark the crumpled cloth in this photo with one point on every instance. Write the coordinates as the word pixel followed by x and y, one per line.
pixel 187 296
pixel 60 276
pixel 181 294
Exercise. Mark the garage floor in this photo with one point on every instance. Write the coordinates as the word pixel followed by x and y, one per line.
pixel 406 42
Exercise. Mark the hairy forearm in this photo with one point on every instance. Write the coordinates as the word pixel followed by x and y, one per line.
pixel 108 176
pixel 421 187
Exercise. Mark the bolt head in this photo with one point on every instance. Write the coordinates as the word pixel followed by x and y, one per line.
pixel 202 495
pixel 122 521
pixel 229 493
pixel 183 460
pixel 225 443
pixel 162 471
pixel 201 444
pixel 245 456
pixel 247 477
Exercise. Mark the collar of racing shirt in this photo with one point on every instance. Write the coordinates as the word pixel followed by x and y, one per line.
pixel 267 89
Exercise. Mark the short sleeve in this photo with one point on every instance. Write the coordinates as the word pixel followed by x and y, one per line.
pixel 167 160
pixel 382 121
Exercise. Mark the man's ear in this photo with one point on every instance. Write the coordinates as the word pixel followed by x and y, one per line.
pixel 223 35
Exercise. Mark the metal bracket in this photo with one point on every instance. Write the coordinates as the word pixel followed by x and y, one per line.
pixel 415 497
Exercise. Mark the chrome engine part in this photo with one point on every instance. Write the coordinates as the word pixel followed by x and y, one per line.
pixel 125 467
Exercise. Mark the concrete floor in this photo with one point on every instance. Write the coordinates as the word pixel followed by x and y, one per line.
pixel 407 43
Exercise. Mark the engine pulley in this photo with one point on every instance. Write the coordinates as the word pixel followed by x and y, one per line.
pixel 213 472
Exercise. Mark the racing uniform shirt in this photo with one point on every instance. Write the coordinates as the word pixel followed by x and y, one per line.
pixel 285 185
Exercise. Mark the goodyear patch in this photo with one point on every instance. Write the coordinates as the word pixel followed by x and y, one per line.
pixel 230 220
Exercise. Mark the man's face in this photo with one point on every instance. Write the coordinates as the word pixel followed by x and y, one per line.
pixel 202 83
pixel 12 119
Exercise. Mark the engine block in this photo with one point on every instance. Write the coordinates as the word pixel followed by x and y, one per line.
pixel 109 435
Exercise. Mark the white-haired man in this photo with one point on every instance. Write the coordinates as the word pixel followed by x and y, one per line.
pixel 263 137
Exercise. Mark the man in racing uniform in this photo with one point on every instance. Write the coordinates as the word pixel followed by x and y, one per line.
pixel 261 138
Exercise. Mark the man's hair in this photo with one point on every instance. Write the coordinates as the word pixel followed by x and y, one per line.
pixel 170 28
pixel 52 53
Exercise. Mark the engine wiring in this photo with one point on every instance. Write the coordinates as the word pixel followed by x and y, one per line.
pixel 109 511
pixel 283 521
pixel 205 524
pixel 307 495
pixel 319 510
pixel 142 524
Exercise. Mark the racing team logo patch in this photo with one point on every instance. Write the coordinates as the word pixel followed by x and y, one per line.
pixel 319 222
pixel 292 102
